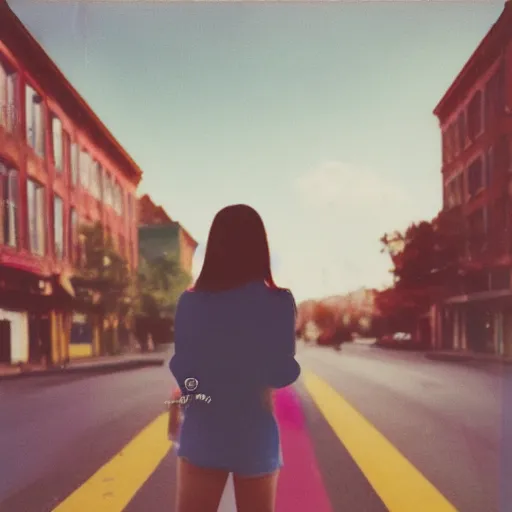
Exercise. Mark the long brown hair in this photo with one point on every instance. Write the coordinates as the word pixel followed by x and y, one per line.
pixel 237 251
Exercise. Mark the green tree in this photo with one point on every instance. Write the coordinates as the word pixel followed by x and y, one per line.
pixel 160 283
pixel 104 279
pixel 426 262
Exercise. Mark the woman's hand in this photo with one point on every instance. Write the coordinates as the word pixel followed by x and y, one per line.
pixel 173 426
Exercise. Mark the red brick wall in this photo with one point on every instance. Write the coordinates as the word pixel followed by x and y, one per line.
pixel 494 131
pixel 17 153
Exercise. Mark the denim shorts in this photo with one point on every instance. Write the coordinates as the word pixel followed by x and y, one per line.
pixel 241 469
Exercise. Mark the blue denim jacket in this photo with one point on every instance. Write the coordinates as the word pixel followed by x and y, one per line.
pixel 235 344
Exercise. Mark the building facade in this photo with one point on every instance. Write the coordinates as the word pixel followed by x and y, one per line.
pixel 159 234
pixel 475 117
pixel 60 167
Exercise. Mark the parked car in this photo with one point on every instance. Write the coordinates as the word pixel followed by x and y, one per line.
pixel 400 340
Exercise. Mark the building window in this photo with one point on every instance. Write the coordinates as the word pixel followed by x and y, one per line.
pixel 74 155
pixel 36 217
pixel 120 200
pixel 85 167
pixel 107 189
pixel 454 191
pixel 73 234
pixel 34 120
pixel 477 227
pixel 9 102
pixel 129 216
pixel 66 151
pixel 117 199
pixel 96 180
pixel 475 124
pixel 9 183
pixel 495 96
pixel 455 139
pixel 475 177
pixel 461 128
pixel 57 144
pixel 58 227
pixel 499 225
pixel 489 167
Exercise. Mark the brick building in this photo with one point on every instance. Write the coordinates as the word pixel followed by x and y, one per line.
pixel 475 117
pixel 59 167
pixel 159 234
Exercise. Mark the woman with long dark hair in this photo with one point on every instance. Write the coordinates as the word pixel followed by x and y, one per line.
pixel 234 344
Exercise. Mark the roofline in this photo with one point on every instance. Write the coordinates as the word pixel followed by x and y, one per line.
pixel 492 32
pixel 189 236
pixel 163 225
pixel 82 104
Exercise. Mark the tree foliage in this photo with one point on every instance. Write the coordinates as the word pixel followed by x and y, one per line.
pixel 104 270
pixel 332 321
pixel 160 283
pixel 425 261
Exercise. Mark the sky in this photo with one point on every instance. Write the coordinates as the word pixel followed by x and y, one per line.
pixel 319 115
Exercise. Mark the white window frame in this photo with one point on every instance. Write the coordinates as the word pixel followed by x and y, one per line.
pixel 74 156
pixel 84 169
pixel 10 204
pixel 57 143
pixel 73 234
pixel 36 217
pixel 9 101
pixel 35 121
pixel 58 228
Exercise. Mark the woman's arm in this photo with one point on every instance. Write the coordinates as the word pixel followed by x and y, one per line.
pixel 181 364
pixel 283 368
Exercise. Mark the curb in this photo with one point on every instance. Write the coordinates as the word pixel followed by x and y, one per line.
pixel 88 369
pixel 398 348
pixel 466 358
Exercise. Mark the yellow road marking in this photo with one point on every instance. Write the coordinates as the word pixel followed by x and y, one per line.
pixel 400 486
pixel 112 487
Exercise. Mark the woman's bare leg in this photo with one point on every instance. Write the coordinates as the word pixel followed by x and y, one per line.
pixel 198 489
pixel 256 494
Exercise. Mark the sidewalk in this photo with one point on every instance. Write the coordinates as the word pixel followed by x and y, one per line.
pixel 465 357
pixel 101 364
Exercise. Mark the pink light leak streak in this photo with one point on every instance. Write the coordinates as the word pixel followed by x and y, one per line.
pixel 300 487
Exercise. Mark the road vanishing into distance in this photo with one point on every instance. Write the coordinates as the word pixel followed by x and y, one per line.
pixel 363 430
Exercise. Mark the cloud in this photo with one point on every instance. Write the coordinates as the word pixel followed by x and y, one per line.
pixel 342 211
pixel 335 183
pixel 327 240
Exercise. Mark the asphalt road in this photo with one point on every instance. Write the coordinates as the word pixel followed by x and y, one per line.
pixel 365 430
